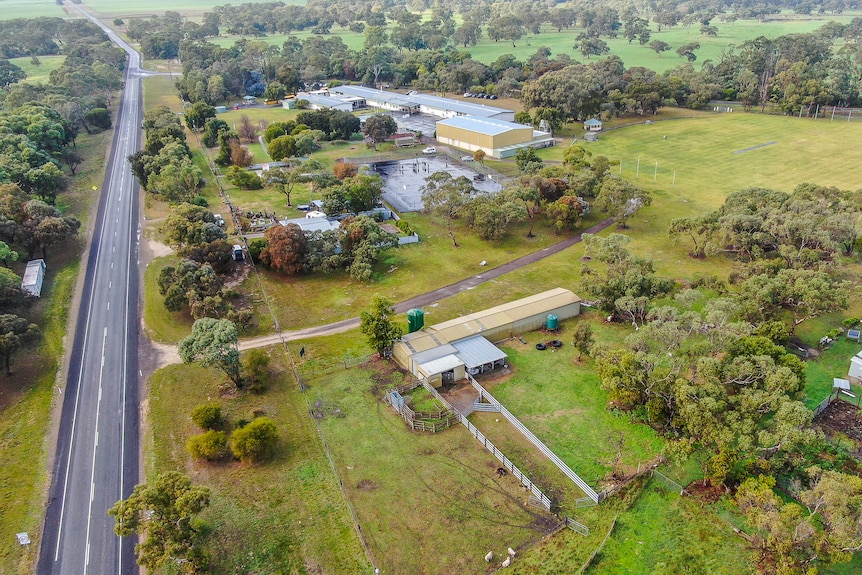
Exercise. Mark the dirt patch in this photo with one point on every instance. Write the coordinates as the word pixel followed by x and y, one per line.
pixel 366 485
pixel 708 493
pixel 842 417
pixel 460 396
pixel 237 276
pixel 382 375
pixel 156 249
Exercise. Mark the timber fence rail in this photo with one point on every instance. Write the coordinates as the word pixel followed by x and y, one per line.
pixel 433 421
pixel 567 471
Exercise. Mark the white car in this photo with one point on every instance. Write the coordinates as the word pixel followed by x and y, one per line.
pixel 466 158
pixel 429 150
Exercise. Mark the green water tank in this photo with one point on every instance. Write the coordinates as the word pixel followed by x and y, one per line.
pixel 552 322
pixel 415 320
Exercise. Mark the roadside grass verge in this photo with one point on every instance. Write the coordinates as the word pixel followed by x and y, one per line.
pixel 27 397
pixel 663 533
pixel 286 515
pixel 162 325
pixel 428 503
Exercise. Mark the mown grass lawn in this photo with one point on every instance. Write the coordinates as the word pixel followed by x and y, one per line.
pixel 561 401
pixel 284 516
pixel 701 153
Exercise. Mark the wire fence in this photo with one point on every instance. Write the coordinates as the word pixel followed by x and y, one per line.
pixel 598 549
pixel 668 482
pixel 313 369
pixel 831 113
pixel 577 527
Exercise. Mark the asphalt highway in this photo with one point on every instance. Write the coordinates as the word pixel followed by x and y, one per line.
pixel 96 460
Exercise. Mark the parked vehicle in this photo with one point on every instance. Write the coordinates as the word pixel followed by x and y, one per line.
pixel 429 150
pixel 238 255
pixel 466 158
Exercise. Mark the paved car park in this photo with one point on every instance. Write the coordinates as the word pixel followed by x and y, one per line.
pixel 403 180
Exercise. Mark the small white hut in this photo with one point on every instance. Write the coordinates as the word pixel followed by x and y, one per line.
pixel 34 275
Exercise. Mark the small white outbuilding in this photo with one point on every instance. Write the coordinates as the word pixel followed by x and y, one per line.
pixel 856 366
pixel 34 275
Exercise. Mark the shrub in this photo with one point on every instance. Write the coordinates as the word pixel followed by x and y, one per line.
pixel 257 368
pixel 207 416
pixel 404 227
pixel 200 201
pixel 256 246
pixel 850 322
pixel 98 117
pixel 211 445
pixel 256 441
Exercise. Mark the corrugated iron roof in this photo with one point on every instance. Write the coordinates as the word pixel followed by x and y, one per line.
pixel 481 321
pixel 440 364
pixel 433 353
pixel 423 100
pixel 487 126
pixel 477 351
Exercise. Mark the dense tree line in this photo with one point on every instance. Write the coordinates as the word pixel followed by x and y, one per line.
pixel 708 367
pixel 403 48
pixel 82 89
pixel 164 166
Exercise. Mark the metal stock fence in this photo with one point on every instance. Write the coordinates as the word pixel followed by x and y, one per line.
pixel 540 498
pixel 567 471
